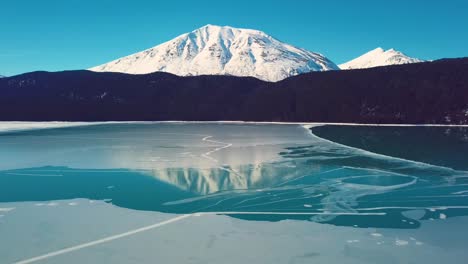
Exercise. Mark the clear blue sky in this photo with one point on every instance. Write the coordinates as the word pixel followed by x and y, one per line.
pixel 75 34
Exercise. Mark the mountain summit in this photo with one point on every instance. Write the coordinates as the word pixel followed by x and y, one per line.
pixel 215 50
pixel 378 57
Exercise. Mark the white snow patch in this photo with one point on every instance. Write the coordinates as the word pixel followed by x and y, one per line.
pixel 400 242
pixel 20 126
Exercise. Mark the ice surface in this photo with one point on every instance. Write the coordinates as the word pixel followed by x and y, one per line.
pixel 253 193
pixel 74 234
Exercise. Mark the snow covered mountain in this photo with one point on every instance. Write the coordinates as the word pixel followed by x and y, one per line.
pixel 214 50
pixel 378 57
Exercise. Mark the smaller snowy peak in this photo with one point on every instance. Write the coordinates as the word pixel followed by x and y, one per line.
pixel 378 57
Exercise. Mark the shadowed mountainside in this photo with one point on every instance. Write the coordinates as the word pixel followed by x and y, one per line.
pixel 429 92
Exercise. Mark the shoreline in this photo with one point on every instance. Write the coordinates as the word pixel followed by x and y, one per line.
pixel 11 126
pixel 229 122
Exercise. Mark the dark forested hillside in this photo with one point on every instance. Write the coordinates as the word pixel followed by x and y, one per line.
pixel 431 92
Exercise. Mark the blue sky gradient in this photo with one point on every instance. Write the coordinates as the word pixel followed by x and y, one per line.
pixel 59 35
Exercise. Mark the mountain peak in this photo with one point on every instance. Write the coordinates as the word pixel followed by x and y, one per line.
pixel 378 57
pixel 209 27
pixel 215 27
pixel 225 28
pixel 377 50
pixel 219 50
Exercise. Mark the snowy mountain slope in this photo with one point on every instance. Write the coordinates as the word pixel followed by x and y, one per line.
pixel 213 50
pixel 378 57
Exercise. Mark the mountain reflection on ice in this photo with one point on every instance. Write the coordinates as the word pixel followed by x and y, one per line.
pixel 254 172
pixel 344 184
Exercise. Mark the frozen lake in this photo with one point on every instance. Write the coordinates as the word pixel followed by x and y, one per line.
pixel 233 193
